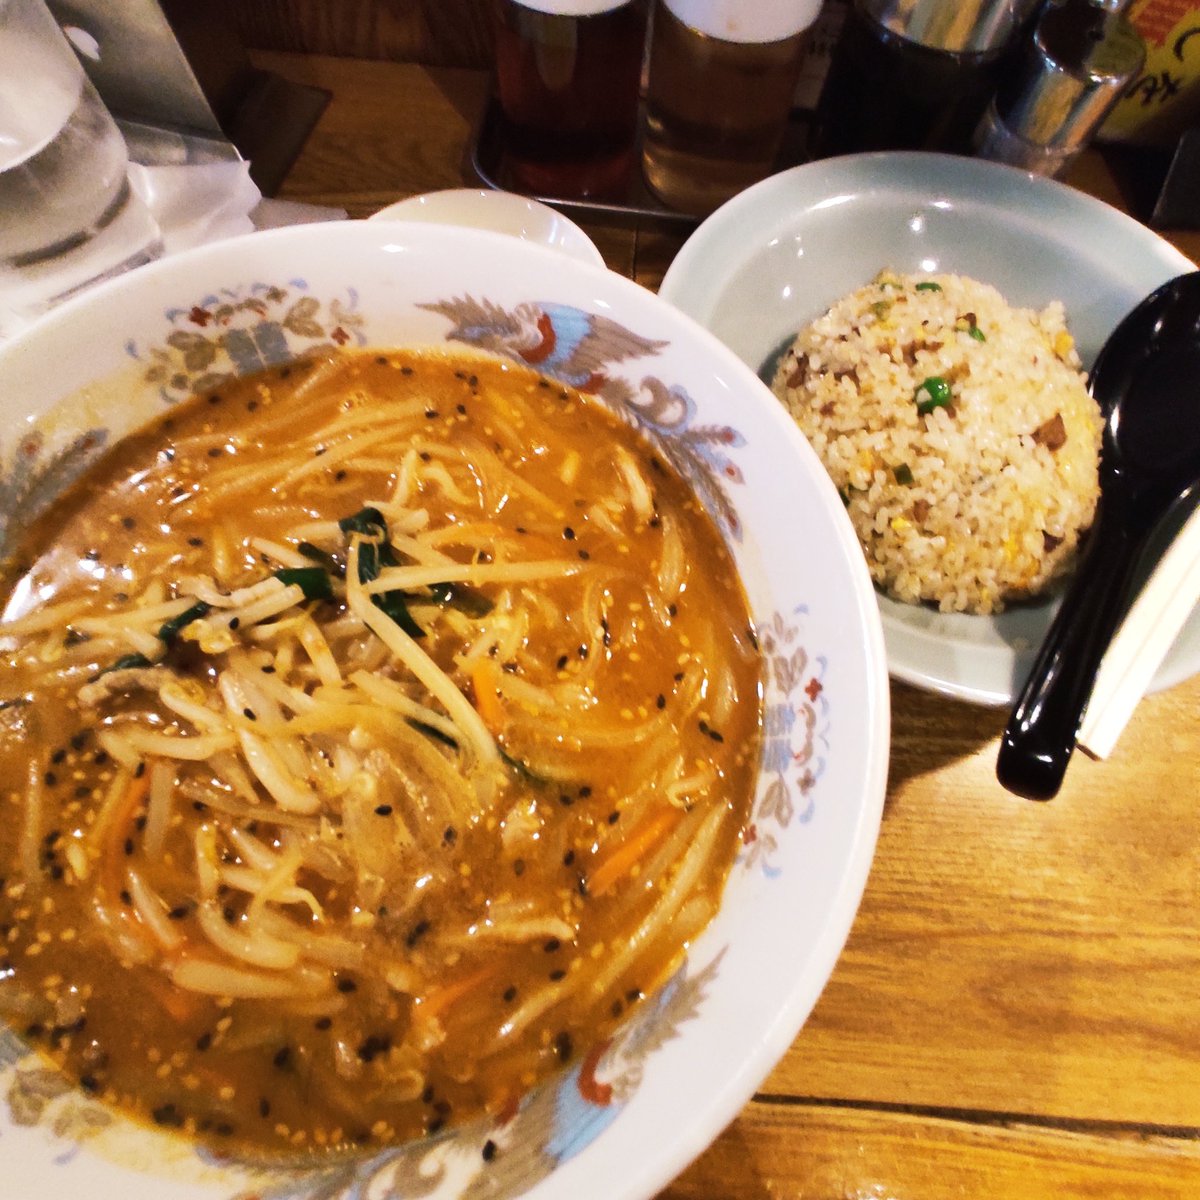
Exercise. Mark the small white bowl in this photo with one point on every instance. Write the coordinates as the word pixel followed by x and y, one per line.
pixel 501 212
pixel 781 252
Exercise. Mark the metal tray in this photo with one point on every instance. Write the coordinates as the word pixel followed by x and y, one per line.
pixel 487 165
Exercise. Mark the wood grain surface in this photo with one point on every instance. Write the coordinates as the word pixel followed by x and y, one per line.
pixel 1015 1011
pixel 430 32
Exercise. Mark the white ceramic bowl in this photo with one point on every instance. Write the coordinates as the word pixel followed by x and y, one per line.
pixel 502 212
pixel 637 1111
pixel 780 253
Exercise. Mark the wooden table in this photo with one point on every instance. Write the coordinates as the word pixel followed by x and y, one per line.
pixel 1016 1010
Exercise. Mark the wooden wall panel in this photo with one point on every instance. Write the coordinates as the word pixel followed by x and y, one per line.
pixel 449 33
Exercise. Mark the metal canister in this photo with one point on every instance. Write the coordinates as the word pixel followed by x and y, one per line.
pixel 915 74
pixel 1080 58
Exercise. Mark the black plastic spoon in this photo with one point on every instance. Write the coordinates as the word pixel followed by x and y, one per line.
pixel 1147 383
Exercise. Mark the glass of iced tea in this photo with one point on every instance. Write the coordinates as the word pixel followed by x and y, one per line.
pixel 567 75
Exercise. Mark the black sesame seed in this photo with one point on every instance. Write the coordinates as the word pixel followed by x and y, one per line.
pixel 614 817
pixel 323 1023
pixel 282 1057
pixel 519 867
pixel 660 700
pixel 204 1041
pixel 249 714
pixel 347 985
pixel 563 1046
pixel 552 945
pixel 568 858
pixel 569 533
pixel 373 1046
pixel 489 1150
pixel 510 993
pixel 557 974
pixel 167 1114
pixel 383 810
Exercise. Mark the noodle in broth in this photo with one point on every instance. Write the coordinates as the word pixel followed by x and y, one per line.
pixel 374 733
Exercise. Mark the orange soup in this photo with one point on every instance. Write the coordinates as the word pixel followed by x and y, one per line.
pixel 374 733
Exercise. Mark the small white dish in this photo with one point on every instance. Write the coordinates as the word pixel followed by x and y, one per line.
pixel 780 253
pixel 501 212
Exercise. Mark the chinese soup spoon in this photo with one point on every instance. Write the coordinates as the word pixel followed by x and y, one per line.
pixel 1146 380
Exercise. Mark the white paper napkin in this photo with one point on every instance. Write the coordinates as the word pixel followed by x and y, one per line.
pixel 182 204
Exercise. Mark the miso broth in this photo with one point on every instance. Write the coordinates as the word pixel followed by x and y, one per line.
pixel 375 732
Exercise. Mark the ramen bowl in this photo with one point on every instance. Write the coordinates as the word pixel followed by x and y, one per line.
pixel 781 253
pixel 625 1115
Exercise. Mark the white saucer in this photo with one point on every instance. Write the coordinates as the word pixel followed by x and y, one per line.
pixel 502 212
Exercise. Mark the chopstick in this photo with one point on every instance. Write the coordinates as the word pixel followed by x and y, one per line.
pixel 1141 642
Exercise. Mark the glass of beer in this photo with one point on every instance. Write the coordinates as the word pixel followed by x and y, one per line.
pixel 721 82
pixel 568 74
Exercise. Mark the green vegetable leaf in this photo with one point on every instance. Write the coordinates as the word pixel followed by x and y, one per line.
pixel 168 631
pixel 314 581
pixel 932 393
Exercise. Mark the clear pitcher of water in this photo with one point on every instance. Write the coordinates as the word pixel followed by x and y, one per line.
pixel 67 213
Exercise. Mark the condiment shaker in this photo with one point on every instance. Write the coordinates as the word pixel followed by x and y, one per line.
pixel 915 74
pixel 1080 58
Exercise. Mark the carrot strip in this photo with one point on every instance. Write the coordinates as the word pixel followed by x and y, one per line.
pixel 623 858
pixel 433 1004
pixel 487 696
